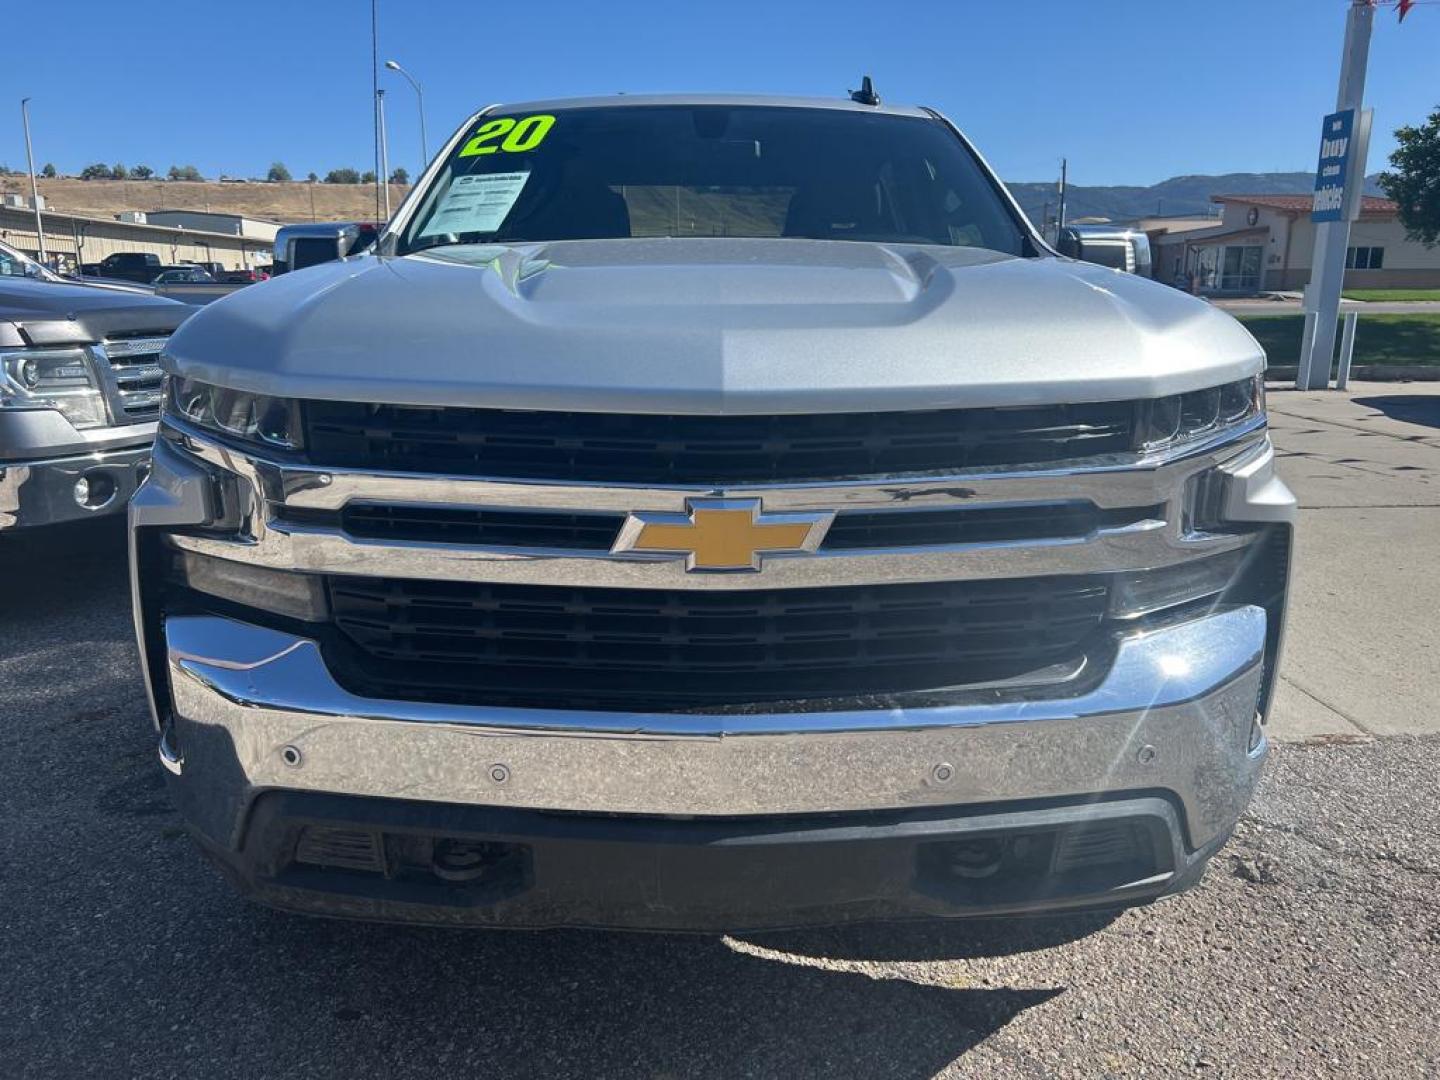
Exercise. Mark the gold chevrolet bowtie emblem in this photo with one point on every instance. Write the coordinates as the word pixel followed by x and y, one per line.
pixel 722 534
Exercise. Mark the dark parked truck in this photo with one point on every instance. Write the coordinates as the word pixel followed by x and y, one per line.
pixel 79 393
pixel 138 266
pixel 709 513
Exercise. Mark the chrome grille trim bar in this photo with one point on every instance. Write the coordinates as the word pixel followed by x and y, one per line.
pixel 267 539
pixel 1143 546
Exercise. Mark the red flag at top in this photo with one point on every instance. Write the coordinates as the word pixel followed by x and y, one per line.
pixel 1404 8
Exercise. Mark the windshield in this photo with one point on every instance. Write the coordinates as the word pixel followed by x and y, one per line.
pixel 16 264
pixel 712 171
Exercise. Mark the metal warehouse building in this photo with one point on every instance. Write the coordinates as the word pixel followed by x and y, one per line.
pixel 77 239
pixel 207 221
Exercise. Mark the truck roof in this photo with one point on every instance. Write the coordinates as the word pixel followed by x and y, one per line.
pixel 842 104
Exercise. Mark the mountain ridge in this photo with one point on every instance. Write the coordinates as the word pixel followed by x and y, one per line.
pixel 1176 196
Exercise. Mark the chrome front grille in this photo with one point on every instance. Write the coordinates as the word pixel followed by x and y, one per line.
pixel 133 375
pixel 456 588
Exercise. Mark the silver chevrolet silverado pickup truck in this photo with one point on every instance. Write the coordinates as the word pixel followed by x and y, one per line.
pixel 710 512
pixel 79 392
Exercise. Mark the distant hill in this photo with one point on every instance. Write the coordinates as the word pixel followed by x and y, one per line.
pixel 276 202
pixel 1178 195
pixel 339 202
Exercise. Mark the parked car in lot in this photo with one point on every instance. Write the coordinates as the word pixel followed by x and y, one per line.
pixel 182 275
pixel 79 392
pixel 710 513
pixel 242 277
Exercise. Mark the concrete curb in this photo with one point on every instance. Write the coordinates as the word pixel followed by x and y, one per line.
pixel 1370 373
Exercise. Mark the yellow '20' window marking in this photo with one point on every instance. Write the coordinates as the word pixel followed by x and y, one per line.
pixel 515 136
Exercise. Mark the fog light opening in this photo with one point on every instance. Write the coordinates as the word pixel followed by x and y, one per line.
pixel 94 490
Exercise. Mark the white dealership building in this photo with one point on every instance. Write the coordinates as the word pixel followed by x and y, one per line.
pixel 1264 243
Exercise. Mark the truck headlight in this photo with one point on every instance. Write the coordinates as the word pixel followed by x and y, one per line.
pixel 59 378
pixel 237 414
pixel 1182 418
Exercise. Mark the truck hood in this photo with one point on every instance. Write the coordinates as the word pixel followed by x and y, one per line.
pixel 55 313
pixel 712 326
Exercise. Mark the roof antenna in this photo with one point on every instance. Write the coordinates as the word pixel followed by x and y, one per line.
pixel 866 94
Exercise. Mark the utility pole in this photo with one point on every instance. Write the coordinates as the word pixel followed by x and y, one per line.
pixel 384 175
pixel 1332 231
pixel 1060 213
pixel 34 187
pixel 375 99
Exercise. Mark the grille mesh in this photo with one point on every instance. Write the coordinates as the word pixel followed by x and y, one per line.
pixel 625 448
pixel 634 648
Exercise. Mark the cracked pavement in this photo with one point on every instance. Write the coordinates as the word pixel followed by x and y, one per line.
pixel 1309 950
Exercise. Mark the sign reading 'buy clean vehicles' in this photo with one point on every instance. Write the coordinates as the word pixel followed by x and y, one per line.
pixel 1335 141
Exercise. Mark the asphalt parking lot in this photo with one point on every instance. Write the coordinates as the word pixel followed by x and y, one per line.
pixel 1310 949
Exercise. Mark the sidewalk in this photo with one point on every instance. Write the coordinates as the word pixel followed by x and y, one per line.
pixel 1362 655
pixel 1291 306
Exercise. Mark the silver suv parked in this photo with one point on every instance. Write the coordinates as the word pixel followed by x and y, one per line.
pixel 710 512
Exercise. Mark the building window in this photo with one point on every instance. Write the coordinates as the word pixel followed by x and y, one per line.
pixel 1365 258
pixel 1240 269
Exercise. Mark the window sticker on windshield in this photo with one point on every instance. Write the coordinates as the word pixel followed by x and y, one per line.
pixel 507 135
pixel 476 203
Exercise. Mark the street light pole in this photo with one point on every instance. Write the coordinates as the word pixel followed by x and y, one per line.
pixel 34 187
pixel 420 104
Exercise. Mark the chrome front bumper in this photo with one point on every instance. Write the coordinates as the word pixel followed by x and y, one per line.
pixel 255 709
pixel 43 492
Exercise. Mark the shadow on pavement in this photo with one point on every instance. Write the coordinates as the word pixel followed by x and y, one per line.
pixel 923 940
pixel 1411 408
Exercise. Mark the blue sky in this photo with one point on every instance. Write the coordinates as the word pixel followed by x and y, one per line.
pixel 1132 91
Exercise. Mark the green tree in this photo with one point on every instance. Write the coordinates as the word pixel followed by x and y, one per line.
pixel 98 171
pixel 119 172
pixel 368 176
pixel 278 173
pixel 343 176
pixel 400 176
pixel 49 171
pixel 312 177
pixel 141 172
pixel 184 172
pixel 1414 185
